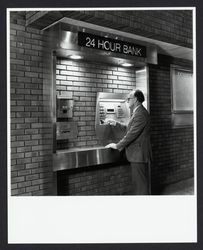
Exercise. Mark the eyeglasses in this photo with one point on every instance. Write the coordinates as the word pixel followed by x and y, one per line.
pixel 128 99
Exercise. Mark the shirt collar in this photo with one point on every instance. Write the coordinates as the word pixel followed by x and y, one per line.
pixel 136 108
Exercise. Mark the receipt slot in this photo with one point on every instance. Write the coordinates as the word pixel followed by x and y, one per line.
pixel 111 106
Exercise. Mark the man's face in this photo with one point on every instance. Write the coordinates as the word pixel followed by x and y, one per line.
pixel 131 100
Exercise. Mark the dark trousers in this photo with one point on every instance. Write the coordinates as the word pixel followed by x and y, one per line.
pixel 140 178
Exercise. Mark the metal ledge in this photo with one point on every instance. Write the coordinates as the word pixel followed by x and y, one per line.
pixel 83 157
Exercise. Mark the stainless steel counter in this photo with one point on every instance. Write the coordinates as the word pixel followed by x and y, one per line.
pixel 83 157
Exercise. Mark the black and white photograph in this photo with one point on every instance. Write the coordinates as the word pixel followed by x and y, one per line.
pixel 101 124
pixel 101 102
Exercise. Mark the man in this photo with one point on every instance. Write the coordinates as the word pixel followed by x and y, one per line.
pixel 136 142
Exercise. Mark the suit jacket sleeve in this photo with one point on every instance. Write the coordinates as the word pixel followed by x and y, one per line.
pixel 121 126
pixel 137 125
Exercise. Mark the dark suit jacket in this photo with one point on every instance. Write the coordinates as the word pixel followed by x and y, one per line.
pixel 137 139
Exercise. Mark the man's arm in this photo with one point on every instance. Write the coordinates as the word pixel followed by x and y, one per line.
pixel 137 126
pixel 112 122
pixel 121 126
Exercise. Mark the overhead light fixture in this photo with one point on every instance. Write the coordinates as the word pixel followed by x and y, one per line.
pixel 141 70
pixel 75 57
pixel 127 64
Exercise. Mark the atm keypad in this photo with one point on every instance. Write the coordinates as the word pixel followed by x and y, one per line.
pixel 120 112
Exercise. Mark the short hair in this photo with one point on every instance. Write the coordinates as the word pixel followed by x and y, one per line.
pixel 139 95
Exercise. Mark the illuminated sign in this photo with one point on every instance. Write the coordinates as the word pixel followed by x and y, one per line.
pixel 110 45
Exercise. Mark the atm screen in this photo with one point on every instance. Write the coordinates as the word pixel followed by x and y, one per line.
pixel 110 110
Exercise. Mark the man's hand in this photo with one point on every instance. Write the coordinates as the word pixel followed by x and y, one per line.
pixel 110 121
pixel 111 145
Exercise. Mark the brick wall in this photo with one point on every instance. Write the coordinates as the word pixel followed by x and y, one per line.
pixel 84 80
pixel 172 147
pixel 114 179
pixel 31 144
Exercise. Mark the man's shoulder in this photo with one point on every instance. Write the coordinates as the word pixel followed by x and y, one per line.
pixel 141 109
pixel 142 112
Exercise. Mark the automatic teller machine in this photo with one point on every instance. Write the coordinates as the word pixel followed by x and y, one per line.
pixel 111 106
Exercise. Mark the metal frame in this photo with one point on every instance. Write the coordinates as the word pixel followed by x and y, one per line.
pixel 54 100
pixel 178 112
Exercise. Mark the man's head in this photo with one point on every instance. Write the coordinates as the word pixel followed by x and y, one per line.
pixel 135 98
